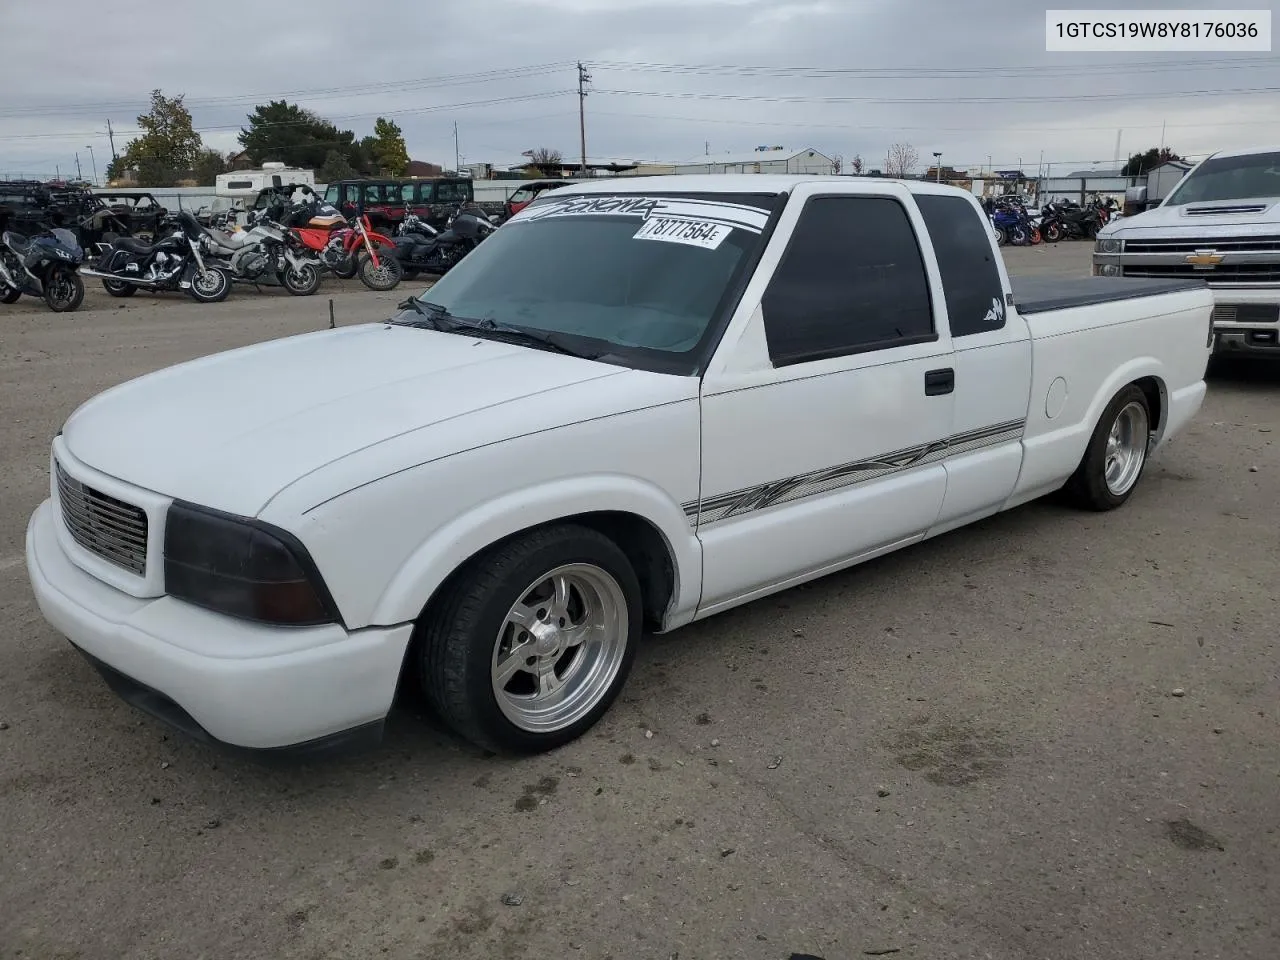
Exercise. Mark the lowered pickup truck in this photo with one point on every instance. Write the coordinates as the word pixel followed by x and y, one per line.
pixel 1221 224
pixel 634 406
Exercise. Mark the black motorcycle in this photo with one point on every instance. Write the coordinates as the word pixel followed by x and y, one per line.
pixel 42 266
pixel 420 248
pixel 1069 221
pixel 175 262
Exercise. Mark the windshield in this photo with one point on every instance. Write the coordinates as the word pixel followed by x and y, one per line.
pixel 636 279
pixel 1249 177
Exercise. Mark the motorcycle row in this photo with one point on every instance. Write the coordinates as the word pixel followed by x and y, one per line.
pixel 289 243
pixel 1059 220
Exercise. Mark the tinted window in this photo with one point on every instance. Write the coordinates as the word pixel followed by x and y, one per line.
pixel 240 185
pixel 452 192
pixel 1252 176
pixel 970 279
pixel 372 193
pixel 331 195
pixel 409 193
pixel 852 280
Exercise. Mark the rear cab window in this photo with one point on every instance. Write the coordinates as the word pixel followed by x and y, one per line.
pixel 966 259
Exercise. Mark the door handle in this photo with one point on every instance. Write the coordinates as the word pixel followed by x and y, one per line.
pixel 938 382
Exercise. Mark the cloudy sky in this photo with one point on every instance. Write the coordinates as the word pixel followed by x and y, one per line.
pixel 671 79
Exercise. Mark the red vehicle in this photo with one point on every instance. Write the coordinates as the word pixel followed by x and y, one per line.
pixel 353 249
pixel 529 192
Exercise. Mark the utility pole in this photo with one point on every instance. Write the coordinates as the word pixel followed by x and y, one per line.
pixel 1160 155
pixel 937 166
pixel 94 159
pixel 111 136
pixel 583 79
pixel 457 157
pixel 79 175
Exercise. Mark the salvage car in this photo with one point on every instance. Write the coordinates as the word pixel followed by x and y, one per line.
pixel 1220 224
pixel 693 392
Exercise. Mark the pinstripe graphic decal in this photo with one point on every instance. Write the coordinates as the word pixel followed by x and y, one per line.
pixel 737 502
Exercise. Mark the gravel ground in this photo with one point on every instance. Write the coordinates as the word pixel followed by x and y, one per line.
pixel 1048 735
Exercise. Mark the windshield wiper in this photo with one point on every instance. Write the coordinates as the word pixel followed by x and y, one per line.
pixel 439 318
pixel 535 338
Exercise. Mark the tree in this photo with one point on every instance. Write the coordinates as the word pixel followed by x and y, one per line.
pixel 1140 163
pixel 208 165
pixel 837 163
pixel 285 132
pixel 901 160
pixel 546 161
pixel 168 147
pixel 855 165
pixel 335 167
pixel 388 148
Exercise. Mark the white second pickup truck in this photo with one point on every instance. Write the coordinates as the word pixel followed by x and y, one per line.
pixel 1220 224
pixel 638 404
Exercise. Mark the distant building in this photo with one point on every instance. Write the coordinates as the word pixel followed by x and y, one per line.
pixel 420 168
pixel 760 160
pixel 1162 178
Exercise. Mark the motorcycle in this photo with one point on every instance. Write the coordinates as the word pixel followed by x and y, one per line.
pixel 420 248
pixel 355 250
pixel 176 262
pixel 1072 221
pixel 267 253
pixel 1013 226
pixel 42 266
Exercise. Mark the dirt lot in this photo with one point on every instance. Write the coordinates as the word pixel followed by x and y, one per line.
pixel 1050 735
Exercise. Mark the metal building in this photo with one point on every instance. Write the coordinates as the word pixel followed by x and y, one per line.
pixel 759 160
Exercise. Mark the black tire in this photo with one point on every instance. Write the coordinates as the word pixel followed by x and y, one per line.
pixel 64 291
pixel 384 277
pixel 409 273
pixel 1002 236
pixel 1088 487
pixel 10 294
pixel 1052 232
pixel 118 288
pixel 346 270
pixel 210 290
pixel 461 632
pixel 302 282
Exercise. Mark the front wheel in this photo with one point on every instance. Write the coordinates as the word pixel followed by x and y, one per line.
pixel 64 291
pixel 212 286
pixel 385 276
pixel 9 294
pixel 533 641
pixel 1002 236
pixel 1052 232
pixel 1116 455
pixel 118 288
pixel 303 281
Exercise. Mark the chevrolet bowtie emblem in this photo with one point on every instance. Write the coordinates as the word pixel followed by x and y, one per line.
pixel 1205 258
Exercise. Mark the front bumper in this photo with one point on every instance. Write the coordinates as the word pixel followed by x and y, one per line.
pixel 299 691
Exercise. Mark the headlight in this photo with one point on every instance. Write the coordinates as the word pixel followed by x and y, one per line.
pixel 242 568
pixel 1107 245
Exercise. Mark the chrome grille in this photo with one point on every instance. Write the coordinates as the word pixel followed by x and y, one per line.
pixel 1224 274
pixel 103 525
pixel 1220 244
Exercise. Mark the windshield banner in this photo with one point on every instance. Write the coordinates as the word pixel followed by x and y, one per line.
pixel 697 217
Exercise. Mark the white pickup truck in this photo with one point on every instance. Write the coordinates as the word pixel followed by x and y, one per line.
pixel 637 404
pixel 1221 224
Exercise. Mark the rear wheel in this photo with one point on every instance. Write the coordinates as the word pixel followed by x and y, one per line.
pixel 118 288
pixel 532 642
pixel 64 291
pixel 1116 455
pixel 386 275
pixel 10 294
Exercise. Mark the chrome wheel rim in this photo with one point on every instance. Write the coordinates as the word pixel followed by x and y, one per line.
pixel 208 283
pixel 559 648
pixel 1126 448
pixel 381 273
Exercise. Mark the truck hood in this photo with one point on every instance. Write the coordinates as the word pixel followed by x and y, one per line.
pixel 1259 216
pixel 231 430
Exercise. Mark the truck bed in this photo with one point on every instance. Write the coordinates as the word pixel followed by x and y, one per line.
pixel 1040 294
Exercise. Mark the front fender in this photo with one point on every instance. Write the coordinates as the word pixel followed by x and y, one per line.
pixel 464 536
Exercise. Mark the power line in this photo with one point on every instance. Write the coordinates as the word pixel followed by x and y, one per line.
pixel 764 98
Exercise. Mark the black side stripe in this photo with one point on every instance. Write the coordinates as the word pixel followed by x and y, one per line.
pixel 735 503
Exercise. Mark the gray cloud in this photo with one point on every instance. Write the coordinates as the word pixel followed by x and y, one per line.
pixel 61 86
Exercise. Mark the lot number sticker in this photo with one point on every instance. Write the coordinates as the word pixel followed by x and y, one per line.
pixel 696 233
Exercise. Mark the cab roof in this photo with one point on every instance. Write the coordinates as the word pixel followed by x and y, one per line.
pixel 736 183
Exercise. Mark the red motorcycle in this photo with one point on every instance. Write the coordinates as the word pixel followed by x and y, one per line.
pixel 355 249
